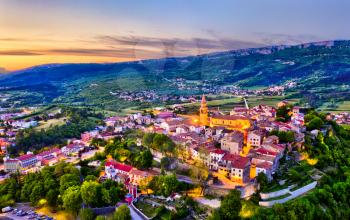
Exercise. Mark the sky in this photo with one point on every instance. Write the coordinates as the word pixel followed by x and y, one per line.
pixel 34 32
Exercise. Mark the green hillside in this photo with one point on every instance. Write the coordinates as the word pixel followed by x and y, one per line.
pixel 322 71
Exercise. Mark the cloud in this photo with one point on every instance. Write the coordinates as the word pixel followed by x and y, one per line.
pixel 137 47
pixel 174 46
pixel 19 53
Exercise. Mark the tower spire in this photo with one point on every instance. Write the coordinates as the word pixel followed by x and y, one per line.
pixel 203 112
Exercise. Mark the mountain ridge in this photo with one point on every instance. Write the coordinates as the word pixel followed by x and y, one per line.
pixel 312 65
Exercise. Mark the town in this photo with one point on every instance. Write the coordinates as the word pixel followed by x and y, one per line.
pixel 211 152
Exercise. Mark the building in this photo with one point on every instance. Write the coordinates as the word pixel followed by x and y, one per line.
pixel 113 169
pixel 235 167
pixel 255 138
pixel 49 157
pixel 231 122
pixel 27 160
pixel 11 165
pixel 233 142
pixel 203 112
pixel 216 157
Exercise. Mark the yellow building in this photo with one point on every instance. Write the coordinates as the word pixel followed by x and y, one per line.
pixel 203 112
pixel 233 122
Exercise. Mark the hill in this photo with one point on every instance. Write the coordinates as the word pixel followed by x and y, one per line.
pixel 321 70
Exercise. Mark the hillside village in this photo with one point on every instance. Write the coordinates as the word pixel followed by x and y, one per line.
pixel 234 148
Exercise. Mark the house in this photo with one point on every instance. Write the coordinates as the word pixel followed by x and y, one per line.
pixel 49 157
pixel 296 110
pixel 273 139
pixel 114 168
pixel 233 142
pixel 264 167
pixel 256 137
pixel 137 176
pixel 216 157
pixel 11 165
pixel 236 167
pixel 72 149
pixel 27 160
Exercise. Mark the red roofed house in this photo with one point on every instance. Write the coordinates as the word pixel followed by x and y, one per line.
pixel 49 157
pixel 113 168
pixel 264 167
pixel 27 160
pixel 237 167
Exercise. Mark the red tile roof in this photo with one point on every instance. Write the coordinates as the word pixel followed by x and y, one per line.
pixel 119 166
pixel 26 157
pixel 236 160
pixel 218 151
pixel 48 152
pixel 265 152
pixel 265 165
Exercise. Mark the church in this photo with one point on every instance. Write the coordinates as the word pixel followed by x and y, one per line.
pixel 240 123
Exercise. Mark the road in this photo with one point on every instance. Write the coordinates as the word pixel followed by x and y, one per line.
pixel 134 214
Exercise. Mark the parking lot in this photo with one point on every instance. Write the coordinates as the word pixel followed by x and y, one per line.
pixel 22 211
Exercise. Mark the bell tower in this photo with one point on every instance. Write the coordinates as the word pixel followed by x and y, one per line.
pixel 203 112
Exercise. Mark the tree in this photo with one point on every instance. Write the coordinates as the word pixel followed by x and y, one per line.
pixel 146 159
pixel 200 173
pixel 122 213
pixel 86 214
pixel 147 139
pixel 72 199
pixel 91 193
pixel 36 194
pixel 231 205
pixel 68 180
pixel 101 217
pixel 51 197
pixel 262 180
pixel 315 123
pixel 90 178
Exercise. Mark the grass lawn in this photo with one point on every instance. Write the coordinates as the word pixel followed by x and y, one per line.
pixel 146 209
pixel 50 123
pixel 275 187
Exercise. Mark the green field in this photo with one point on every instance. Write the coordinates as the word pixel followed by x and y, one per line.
pixel 227 104
pixel 343 106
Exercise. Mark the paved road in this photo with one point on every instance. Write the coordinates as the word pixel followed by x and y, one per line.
pixel 134 214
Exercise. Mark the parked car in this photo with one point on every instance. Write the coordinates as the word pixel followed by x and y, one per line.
pixel 6 209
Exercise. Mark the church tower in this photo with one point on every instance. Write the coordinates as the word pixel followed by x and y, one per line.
pixel 203 112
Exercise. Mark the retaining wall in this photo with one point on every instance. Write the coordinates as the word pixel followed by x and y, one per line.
pixel 293 195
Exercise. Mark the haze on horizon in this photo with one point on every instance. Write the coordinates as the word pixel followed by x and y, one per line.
pixel 35 32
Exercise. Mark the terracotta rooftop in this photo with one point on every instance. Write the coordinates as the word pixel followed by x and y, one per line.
pixel 236 160
pixel 119 166
pixel 26 157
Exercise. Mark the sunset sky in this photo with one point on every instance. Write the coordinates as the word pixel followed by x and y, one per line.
pixel 36 32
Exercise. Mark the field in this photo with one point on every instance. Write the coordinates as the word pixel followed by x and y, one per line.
pixel 50 123
pixel 343 106
pixel 227 104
